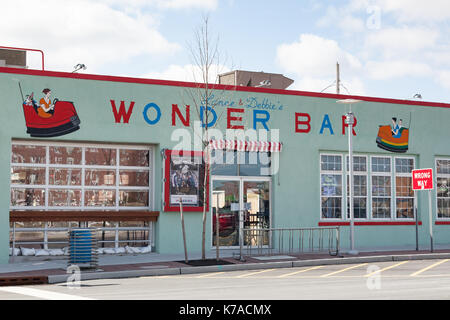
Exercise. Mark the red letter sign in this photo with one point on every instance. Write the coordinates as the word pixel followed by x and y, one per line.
pixel 231 118
pixel 122 113
pixel 304 123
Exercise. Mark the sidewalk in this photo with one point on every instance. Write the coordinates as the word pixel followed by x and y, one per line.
pixel 42 270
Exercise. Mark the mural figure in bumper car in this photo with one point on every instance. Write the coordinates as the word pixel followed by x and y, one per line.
pixel 49 119
pixel 393 138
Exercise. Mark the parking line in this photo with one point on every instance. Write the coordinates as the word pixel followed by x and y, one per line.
pixel 42 294
pixel 253 273
pixel 428 268
pixel 342 270
pixel 300 271
pixel 210 274
pixel 384 269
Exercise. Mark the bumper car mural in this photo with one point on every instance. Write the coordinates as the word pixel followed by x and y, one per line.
pixel 393 138
pixel 49 118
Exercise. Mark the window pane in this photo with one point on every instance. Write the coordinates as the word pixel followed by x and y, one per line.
pixel 103 198
pixel 27 175
pixel 28 154
pixel 331 207
pixel 331 185
pixel 134 178
pixel 443 187
pixel 254 164
pixel 359 208
pixel 27 197
pixel 65 155
pixel 100 156
pixel 443 166
pixel 138 158
pixel 66 198
pixel 331 163
pixel 381 164
pixel 381 208
pixel 403 187
pixel 99 177
pixel 64 177
pixel 444 208
pixel 359 186
pixel 224 163
pixel 404 165
pixel 359 163
pixel 405 208
pixel 133 198
pixel 381 186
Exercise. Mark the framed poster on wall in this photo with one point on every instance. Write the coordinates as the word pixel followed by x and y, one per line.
pixel 184 173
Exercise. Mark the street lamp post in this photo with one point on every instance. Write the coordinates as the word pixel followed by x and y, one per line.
pixel 350 120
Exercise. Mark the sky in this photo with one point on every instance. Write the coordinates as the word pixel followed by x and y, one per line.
pixel 385 48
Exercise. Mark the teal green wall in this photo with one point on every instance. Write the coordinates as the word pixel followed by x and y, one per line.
pixel 296 188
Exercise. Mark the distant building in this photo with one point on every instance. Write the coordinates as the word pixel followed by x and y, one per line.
pixel 13 58
pixel 255 79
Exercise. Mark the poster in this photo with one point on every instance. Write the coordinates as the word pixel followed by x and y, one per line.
pixel 184 180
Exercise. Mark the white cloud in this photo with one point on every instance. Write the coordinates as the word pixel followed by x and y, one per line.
pixel 312 61
pixel 342 18
pixel 382 70
pixel 444 78
pixel 417 10
pixel 80 31
pixel 314 56
pixel 401 41
pixel 165 4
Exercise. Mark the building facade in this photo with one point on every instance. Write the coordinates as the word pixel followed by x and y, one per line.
pixel 103 155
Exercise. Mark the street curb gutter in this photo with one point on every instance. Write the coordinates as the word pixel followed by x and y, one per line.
pixel 52 279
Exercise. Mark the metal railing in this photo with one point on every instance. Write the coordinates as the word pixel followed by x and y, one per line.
pixel 275 241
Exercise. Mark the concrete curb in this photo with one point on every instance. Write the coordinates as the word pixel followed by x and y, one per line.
pixel 52 279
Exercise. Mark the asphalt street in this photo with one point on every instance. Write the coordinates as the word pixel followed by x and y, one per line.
pixel 415 279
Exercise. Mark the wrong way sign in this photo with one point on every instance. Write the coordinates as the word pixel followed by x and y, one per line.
pixel 422 179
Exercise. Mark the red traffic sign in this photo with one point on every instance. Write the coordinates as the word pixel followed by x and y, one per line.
pixel 422 179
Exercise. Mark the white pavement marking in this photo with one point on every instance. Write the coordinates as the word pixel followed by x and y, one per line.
pixel 252 273
pixel 384 269
pixel 43 294
pixel 300 271
pixel 428 268
pixel 342 270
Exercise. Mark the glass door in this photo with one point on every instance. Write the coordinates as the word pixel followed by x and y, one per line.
pixel 241 202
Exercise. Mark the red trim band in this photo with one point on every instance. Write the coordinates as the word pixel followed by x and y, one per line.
pixel 369 223
pixel 217 86
pixel 442 222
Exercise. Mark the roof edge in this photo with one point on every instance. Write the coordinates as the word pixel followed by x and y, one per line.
pixel 84 76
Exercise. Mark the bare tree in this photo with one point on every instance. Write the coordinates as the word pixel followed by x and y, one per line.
pixel 207 59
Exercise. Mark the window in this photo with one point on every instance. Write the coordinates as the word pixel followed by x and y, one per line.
pixel 381 187
pixel 359 187
pixel 404 194
pixel 443 184
pixel 331 186
pixel 238 163
pixel 81 176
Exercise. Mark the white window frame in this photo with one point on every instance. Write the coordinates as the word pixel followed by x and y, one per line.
pixel 83 167
pixel 440 175
pixel 381 174
pixel 402 174
pixel 357 173
pixel 341 173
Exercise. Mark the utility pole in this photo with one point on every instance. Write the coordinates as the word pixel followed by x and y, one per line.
pixel 338 80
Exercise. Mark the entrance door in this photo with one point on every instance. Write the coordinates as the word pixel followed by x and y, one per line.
pixel 241 202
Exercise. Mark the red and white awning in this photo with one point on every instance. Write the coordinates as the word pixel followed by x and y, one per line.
pixel 251 146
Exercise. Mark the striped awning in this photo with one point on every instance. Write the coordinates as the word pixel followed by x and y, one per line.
pixel 250 146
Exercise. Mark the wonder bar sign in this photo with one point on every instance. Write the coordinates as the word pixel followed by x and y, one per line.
pixel 422 179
